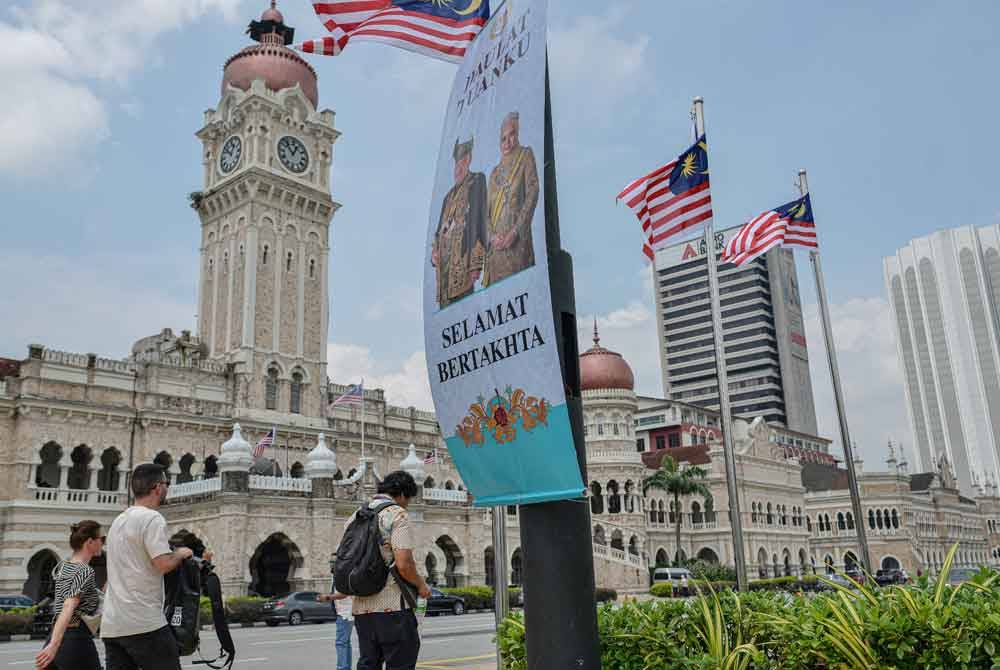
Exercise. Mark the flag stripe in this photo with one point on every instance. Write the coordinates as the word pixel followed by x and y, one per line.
pixel 668 201
pixel 382 22
pixel 774 228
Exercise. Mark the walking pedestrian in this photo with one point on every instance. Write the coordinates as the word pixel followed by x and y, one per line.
pixel 71 643
pixel 684 586
pixel 385 622
pixel 134 630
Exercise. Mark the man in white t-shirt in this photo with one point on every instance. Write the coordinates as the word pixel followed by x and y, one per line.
pixel 133 627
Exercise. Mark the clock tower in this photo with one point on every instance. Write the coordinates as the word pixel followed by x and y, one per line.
pixel 265 215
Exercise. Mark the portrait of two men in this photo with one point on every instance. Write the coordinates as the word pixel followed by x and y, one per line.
pixel 484 231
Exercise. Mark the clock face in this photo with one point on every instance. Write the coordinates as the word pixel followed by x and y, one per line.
pixel 229 157
pixel 292 154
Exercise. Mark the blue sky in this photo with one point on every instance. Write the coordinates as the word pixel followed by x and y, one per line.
pixel 890 106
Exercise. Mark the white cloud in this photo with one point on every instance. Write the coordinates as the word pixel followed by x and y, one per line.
pixel 405 385
pixel 52 55
pixel 631 332
pixel 89 304
pixel 400 303
pixel 870 375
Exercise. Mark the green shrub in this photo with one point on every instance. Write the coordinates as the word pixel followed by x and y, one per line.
pixel 243 609
pixel 17 621
pixel 481 597
pixel 914 627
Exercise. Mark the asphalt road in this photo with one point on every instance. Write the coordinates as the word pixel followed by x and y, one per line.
pixel 449 642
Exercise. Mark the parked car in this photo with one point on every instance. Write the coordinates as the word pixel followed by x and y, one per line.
pixel 443 602
pixel 887 577
pixel 297 608
pixel 958 575
pixel 8 603
pixel 671 574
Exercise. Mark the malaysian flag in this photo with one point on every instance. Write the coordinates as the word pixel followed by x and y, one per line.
pixel 789 225
pixel 439 28
pixel 355 396
pixel 264 443
pixel 671 199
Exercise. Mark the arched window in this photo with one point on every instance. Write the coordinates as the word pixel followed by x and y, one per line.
pixel 596 499
pixel 263 256
pixel 753 512
pixel 515 567
pixel 696 516
pixel 79 472
pixel 429 483
pixel 809 524
pixel 633 545
pixel 599 535
pixel 784 515
pixel 617 540
pixel 297 471
pixel 211 467
pixel 108 477
pixel 871 519
pixel 895 518
pixel 449 486
pixel 288 262
pixel 186 462
pixel 826 520
pixel 295 398
pixel 312 268
pixel 629 496
pixel 850 521
pixel 660 515
pixel 770 515
pixel 878 518
pixel 710 511
pixel 271 389
pixel 841 522
pixel 673 512
pixel 488 561
pixel 614 499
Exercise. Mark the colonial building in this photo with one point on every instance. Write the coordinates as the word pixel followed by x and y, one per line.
pixel 73 425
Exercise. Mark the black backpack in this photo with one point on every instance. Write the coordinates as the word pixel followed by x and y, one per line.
pixel 360 569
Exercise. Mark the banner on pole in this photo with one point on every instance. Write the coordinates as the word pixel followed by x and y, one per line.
pixel 492 356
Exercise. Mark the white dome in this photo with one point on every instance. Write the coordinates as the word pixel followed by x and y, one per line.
pixel 413 464
pixel 321 461
pixel 236 453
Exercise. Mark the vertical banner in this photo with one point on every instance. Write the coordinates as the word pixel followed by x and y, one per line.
pixel 491 345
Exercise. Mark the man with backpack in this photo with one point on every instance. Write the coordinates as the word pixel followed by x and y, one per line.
pixel 375 564
pixel 134 628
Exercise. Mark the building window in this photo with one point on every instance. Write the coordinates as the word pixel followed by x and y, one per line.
pixel 661 442
pixel 640 444
pixel 675 440
pixel 288 262
pixel 271 389
pixel 312 269
pixel 295 399
pixel 263 256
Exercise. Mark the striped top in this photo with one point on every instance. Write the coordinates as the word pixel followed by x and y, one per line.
pixel 73 580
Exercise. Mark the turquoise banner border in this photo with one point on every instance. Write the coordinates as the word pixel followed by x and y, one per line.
pixel 541 462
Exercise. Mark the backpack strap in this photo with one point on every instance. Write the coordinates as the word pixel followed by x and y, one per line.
pixel 405 588
pixel 212 588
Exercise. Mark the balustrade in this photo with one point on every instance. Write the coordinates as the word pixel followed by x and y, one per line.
pixel 199 487
pixel 446 495
pixel 78 497
pixel 267 483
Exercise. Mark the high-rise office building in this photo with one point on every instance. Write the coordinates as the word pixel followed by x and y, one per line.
pixel 944 291
pixel 766 354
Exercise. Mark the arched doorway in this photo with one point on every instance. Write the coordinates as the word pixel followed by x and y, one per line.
pixel 762 563
pixel 165 460
pixel 890 563
pixel 211 467
pixel 431 568
pixel 516 567
pixel 599 537
pixel 297 470
pixel 40 583
pixel 850 561
pixel 708 555
pixel 454 561
pixel 661 557
pixel 273 565
pixel 186 463
pixel 617 540
pixel 596 499
pixel 786 557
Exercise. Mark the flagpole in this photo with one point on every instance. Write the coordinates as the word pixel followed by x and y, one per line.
pixel 362 419
pixel 735 517
pixel 838 395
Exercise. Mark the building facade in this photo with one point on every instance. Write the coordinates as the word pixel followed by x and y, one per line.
pixel 944 292
pixel 766 354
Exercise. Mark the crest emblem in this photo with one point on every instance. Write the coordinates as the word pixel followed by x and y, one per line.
pixel 502 416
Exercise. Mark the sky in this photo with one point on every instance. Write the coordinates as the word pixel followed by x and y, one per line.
pixel 890 106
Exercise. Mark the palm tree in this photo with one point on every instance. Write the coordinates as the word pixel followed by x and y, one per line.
pixel 671 478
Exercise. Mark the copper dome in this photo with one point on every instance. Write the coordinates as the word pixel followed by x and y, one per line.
pixel 602 368
pixel 271 60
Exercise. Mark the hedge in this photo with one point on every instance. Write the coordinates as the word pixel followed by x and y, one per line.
pixel 481 597
pixel 911 627
pixel 791 584
pixel 242 609
pixel 17 621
